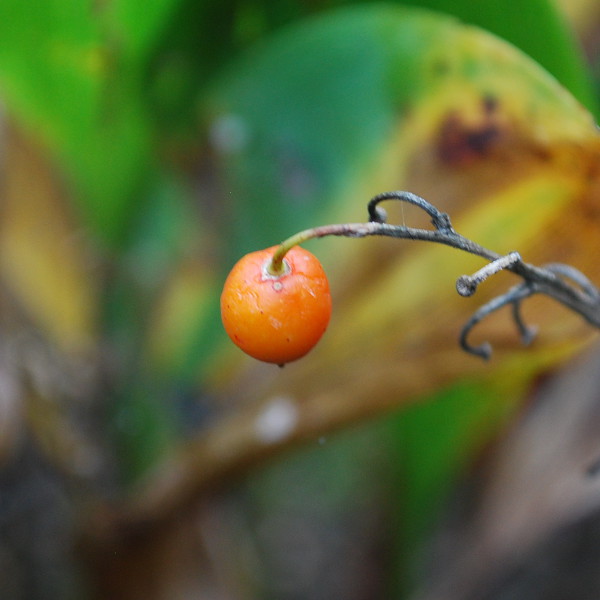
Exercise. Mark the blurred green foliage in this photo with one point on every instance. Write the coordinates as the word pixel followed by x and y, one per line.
pixel 131 98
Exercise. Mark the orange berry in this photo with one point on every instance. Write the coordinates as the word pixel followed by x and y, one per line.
pixel 276 319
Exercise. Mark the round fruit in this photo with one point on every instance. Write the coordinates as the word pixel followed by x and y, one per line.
pixel 276 318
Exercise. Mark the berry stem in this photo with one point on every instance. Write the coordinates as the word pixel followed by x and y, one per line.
pixel 276 267
pixel 555 280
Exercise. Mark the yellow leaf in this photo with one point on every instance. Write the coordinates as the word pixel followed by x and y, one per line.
pixel 44 257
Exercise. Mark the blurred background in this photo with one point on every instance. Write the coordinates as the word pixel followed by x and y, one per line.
pixel 144 148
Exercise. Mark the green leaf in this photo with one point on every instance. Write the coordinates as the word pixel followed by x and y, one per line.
pixel 538 28
pixel 435 442
pixel 139 25
pixel 65 78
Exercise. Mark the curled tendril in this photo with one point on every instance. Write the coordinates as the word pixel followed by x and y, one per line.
pixel 562 282
pixel 514 297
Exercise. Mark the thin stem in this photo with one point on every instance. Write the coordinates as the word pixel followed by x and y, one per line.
pixel 514 296
pixel 439 219
pixel 569 272
pixel 276 266
pixel 466 285
pixel 442 234
pixel 556 280
pixel 527 333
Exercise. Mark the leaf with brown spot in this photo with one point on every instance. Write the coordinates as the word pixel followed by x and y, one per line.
pixel 404 100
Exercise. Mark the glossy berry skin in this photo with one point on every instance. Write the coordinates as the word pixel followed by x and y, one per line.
pixel 276 319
